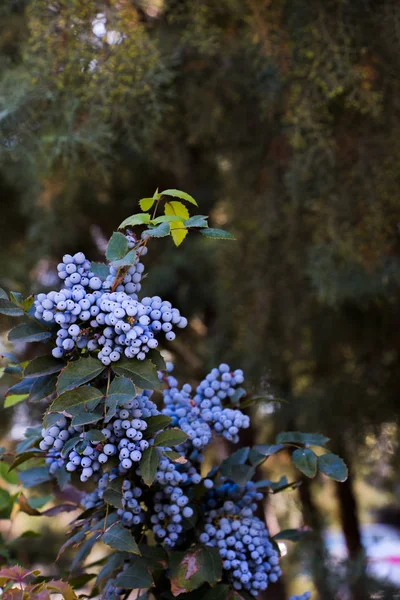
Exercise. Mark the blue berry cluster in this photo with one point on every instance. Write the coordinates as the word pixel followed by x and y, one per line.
pixel 242 539
pixel 304 596
pixel 123 438
pixel 113 323
pixel 202 413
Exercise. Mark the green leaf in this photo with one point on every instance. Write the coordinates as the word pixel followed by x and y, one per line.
pixel 333 466
pixel 291 535
pixel 9 309
pixel 127 261
pixel 8 476
pixel 43 365
pixel 79 372
pixel 24 457
pixel 171 437
pixel 14 399
pixel 34 476
pixel 297 437
pixel 76 397
pixel 268 449
pixel 114 563
pixel 120 538
pixel 146 203
pixel 28 303
pixel 156 358
pixel 157 423
pixel 149 465
pixel 83 416
pixel 178 230
pixel 139 219
pixel 190 569
pixel 237 458
pixel 101 270
pixel 63 477
pixel 113 493
pixel 179 194
pixel 94 435
pixel 16 298
pixel 40 501
pixel 22 387
pixel 143 373
pixel 217 234
pixel 219 592
pixel 167 219
pixel 197 221
pixel 69 445
pixel 3 294
pixel 135 576
pixel 117 246
pixel 121 391
pixel 306 461
pixel 43 387
pixel 28 332
pixel 161 230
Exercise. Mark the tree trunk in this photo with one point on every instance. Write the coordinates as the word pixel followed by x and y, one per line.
pixel 312 518
pixel 351 531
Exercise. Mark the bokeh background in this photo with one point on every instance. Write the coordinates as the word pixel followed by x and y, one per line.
pixel 282 118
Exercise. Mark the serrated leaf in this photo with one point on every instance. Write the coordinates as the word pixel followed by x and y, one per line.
pixel 7 475
pixel 121 391
pixel 179 194
pixel 306 461
pixel 120 538
pixel 135 576
pixel 63 477
pixel 159 231
pixel 333 466
pixel 143 373
pixel 76 397
pixel 237 458
pixel 28 332
pixel 14 399
pixel 178 233
pixel 149 465
pixel 157 423
pixel 177 209
pixel 43 387
pixel 298 437
pixel 83 416
pixel 43 365
pixel 197 221
pixel 9 309
pixel 171 437
pixel 139 219
pixel 219 592
pixel 3 294
pixel 79 372
pixel 193 568
pixel 146 203
pixel 34 476
pixel 101 270
pixel 117 246
pixel 217 234
pixel 127 261
pixel 167 219
pixel 113 492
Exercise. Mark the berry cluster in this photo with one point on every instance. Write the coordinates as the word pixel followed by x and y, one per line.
pixel 304 596
pixel 131 512
pixel 242 538
pixel 202 414
pixel 113 323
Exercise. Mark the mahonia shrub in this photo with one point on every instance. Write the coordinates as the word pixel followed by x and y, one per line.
pixel 121 429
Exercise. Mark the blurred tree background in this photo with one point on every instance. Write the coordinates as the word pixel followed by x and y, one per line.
pixel 282 119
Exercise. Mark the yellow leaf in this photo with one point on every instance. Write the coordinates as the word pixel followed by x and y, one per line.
pixel 178 230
